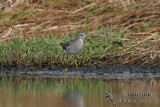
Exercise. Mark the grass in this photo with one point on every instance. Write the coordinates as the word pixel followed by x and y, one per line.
pixel 12 18
pixel 114 43
pixel 46 50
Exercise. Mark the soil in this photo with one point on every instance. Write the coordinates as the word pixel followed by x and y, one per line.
pixel 100 71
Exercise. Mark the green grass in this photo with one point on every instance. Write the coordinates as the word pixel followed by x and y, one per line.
pixel 46 50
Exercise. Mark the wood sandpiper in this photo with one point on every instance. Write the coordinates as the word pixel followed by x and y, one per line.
pixel 74 46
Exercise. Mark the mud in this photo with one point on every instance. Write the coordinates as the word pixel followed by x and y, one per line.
pixel 96 72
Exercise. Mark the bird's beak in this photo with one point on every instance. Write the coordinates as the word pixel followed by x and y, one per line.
pixel 88 40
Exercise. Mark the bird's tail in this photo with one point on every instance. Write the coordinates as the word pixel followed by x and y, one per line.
pixel 62 44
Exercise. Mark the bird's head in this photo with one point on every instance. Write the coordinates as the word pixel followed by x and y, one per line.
pixel 81 35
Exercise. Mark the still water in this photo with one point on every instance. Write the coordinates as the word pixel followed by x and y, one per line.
pixel 51 92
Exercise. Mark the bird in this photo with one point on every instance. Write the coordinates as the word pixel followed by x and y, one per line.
pixel 73 47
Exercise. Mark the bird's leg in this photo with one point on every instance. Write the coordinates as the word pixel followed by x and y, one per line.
pixel 66 69
pixel 76 63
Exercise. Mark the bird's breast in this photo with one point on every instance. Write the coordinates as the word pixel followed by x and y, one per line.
pixel 75 47
pixel 80 43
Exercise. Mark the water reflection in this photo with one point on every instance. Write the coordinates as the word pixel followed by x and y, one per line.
pixel 49 92
pixel 74 99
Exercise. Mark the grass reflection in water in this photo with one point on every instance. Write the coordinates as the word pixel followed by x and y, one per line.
pixel 49 92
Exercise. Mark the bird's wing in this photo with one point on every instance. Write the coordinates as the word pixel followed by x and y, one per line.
pixel 70 44
pixel 67 45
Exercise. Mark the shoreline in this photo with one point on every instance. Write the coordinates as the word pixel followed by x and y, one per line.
pixel 96 72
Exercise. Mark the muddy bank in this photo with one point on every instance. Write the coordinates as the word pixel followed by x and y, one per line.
pixel 101 71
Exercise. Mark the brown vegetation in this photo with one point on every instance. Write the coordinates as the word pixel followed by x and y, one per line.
pixel 140 17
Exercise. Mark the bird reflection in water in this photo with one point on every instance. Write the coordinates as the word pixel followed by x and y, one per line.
pixel 74 99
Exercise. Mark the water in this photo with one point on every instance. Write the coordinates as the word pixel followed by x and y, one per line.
pixel 67 92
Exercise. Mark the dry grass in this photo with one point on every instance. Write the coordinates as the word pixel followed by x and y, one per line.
pixel 139 18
